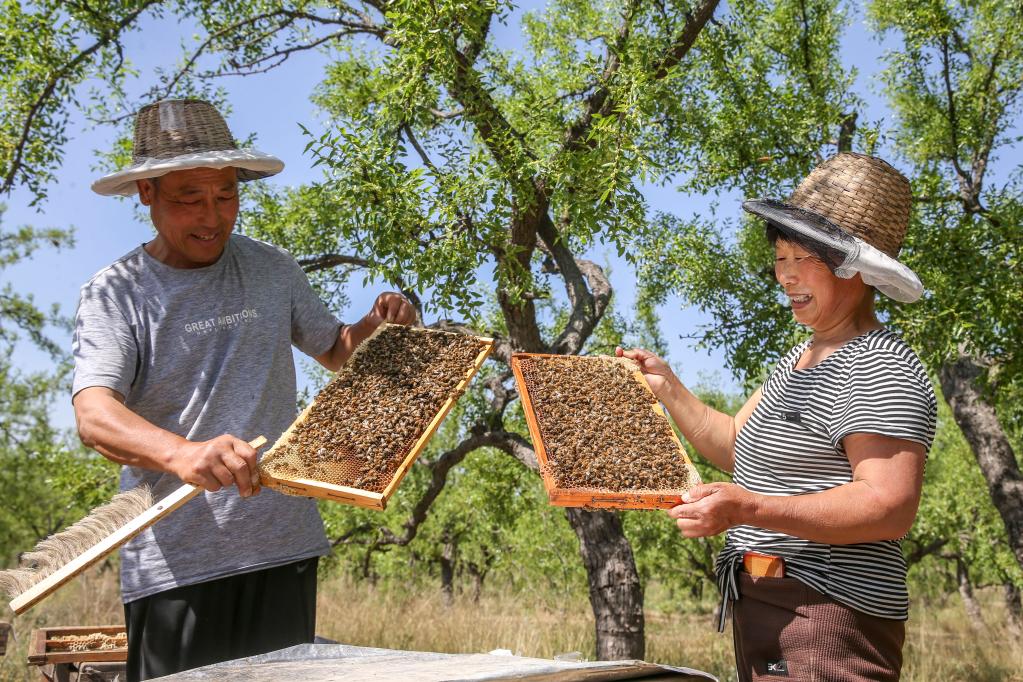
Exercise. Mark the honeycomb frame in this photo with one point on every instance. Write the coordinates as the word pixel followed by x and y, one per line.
pixel 308 487
pixel 595 497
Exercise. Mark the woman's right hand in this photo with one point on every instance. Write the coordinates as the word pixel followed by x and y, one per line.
pixel 656 371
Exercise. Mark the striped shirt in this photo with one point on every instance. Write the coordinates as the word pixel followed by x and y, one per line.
pixel 792 445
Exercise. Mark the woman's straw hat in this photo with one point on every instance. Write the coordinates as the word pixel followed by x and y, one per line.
pixel 858 207
pixel 178 134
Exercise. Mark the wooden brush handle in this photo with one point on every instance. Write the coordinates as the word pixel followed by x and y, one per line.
pixel 52 582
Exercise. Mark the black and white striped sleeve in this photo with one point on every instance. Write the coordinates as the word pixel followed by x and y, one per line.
pixel 887 392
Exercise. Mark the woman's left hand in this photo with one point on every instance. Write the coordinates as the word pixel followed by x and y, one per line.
pixel 712 508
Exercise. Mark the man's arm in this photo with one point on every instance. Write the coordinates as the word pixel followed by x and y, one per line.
pixel 389 307
pixel 113 430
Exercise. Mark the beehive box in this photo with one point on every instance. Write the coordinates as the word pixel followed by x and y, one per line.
pixel 601 437
pixel 75 644
pixel 358 438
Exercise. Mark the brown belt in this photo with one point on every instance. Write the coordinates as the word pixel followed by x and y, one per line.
pixel 763 565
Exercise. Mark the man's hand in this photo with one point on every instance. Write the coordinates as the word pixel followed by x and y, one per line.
pixel 217 463
pixel 656 371
pixel 391 307
pixel 712 508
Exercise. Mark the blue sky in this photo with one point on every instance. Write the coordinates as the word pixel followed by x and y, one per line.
pixel 271 106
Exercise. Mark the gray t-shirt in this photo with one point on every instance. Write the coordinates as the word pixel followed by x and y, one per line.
pixel 202 353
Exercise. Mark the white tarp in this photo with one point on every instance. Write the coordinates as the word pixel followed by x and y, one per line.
pixel 323 662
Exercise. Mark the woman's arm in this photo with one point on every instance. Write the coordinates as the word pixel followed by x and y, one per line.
pixel 712 433
pixel 880 502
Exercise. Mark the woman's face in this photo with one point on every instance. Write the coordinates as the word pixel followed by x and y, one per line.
pixel 818 298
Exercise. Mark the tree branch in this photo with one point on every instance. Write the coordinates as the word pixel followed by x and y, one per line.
pixel 105 39
pixel 508 442
pixel 846 131
pixel 804 44
pixel 965 183
pixel 502 395
pixel 983 150
pixel 921 551
pixel 501 139
pixel 445 115
pixel 599 100
pixel 332 260
pixel 423 156
pixel 348 537
pixel 280 55
pixel 685 39
pixel 475 46
pixel 288 17
pixel 588 289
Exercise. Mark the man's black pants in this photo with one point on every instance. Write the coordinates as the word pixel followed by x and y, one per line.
pixel 219 620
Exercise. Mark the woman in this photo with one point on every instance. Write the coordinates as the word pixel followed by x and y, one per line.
pixel 828 455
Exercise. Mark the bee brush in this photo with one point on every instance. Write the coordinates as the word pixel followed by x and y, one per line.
pixel 63 555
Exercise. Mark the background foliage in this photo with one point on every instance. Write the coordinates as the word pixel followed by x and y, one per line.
pixel 458 172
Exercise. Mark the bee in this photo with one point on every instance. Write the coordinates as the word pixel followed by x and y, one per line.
pixel 597 419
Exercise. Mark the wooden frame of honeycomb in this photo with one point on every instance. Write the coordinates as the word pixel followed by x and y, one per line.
pixel 595 496
pixel 78 643
pixel 276 474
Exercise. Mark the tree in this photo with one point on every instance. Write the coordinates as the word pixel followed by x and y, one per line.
pixel 449 156
pixel 46 52
pixel 958 541
pixel 465 174
pixel 774 102
pixel 40 469
pixel 955 87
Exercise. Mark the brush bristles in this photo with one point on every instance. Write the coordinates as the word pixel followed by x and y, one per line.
pixel 61 548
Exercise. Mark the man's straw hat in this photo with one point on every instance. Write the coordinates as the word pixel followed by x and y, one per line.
pixel 856 208
pixel 178 134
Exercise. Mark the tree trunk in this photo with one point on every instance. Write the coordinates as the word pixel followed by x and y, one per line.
pixel 447 572
pixel 1014 610
pixel 477 582
pixel 615 591
pixel 973 611
pixel 979 423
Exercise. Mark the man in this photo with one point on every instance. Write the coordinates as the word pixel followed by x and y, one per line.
pixel 182 354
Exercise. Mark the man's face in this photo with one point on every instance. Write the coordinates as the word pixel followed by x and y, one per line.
pixel 194 212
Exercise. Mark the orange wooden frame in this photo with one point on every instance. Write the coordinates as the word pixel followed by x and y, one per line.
pixel 594 497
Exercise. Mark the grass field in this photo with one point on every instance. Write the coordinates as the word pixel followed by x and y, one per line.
pixel 940 643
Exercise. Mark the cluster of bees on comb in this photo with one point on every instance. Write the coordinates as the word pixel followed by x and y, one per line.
pixel 599 426
pixel 368 418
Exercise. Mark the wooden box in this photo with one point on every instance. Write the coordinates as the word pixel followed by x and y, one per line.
pixel 349 460
pixel 48 645
pixel 593 497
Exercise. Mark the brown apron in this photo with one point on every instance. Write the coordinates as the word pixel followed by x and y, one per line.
pixel 784 629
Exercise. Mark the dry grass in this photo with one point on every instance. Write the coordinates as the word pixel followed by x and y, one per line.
pixel 940 644
pixel 91 599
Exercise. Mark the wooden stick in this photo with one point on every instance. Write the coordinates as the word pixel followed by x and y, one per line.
pixel 47 585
